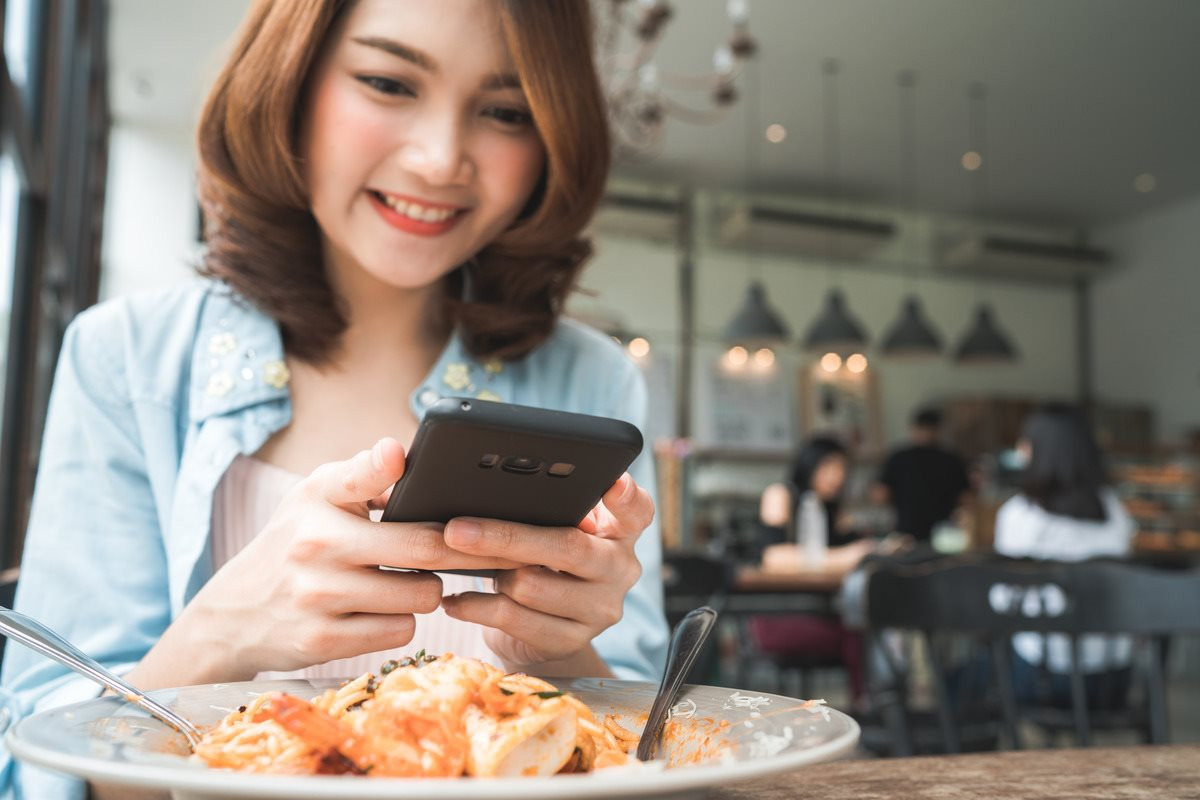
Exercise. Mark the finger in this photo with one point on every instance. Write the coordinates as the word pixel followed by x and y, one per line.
pixel 364 477
pixel 630 510
pixel 370 591
pixel 588 524
pixel 352 635
pixel 407 545
pixel 550 636
pixel 564 549
pixel 560 594
pixel 379 503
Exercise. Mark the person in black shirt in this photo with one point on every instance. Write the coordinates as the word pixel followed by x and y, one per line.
pixel 923 482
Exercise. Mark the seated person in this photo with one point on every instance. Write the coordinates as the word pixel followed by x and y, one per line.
pixel 1065 511
pixel 799 640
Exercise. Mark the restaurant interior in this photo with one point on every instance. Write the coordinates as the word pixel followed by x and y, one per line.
pixel 824 218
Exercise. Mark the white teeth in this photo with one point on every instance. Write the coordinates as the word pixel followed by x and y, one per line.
pixel 415 211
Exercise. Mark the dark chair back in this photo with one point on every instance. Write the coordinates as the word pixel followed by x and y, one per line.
pixel 990 598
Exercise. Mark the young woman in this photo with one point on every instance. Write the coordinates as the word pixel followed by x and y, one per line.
pixel 1065 511
pixel 394 193
pixel 798 641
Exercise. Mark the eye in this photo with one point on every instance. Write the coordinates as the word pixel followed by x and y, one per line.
pixel 512 117
pixel 388 86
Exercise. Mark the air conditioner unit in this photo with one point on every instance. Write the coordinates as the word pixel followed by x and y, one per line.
pixel 1005 257
pixel 799 233
pixel 637 216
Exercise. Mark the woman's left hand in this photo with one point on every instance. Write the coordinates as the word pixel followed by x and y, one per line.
pixel 573 587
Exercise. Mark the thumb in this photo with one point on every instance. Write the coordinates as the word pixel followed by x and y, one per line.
pixel 364 477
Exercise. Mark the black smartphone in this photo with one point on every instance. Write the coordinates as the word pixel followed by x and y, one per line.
pixel 477 458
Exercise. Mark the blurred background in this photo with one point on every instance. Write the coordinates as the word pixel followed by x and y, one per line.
pixel 823 216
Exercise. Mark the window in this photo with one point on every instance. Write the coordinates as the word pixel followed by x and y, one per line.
pixel 53 141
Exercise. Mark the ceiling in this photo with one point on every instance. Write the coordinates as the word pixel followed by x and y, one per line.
pixel 1082 96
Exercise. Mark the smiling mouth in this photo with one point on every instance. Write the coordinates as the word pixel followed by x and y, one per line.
pixel 417 212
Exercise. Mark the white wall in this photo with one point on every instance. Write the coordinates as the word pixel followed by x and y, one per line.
pixel 1145 322
pixel 150 210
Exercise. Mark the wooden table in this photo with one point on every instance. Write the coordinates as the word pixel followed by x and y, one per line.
pixel 1169 771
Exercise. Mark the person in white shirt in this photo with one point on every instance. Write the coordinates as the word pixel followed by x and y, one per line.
pixel 1065 511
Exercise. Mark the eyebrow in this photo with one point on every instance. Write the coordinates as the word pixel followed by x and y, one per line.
pixel 506 80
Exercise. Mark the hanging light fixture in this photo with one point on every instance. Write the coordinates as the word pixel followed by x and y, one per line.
pixel 756 324
pixel 984 342
pixel 756 327
pixel 641 96
pixel 835 329
pixel 911 336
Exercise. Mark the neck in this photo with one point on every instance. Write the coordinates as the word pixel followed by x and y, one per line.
pixel 387 324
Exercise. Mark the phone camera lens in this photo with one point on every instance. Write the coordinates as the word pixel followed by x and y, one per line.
pixel 465 405
pixel 522 465
pixel 489 460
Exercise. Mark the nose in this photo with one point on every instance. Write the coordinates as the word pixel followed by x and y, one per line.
pixel 434 148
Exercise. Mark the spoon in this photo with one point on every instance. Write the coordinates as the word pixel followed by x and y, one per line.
pixel 37 636
pixel 686 640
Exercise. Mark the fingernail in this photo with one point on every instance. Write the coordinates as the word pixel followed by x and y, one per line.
pixel 627 486
pixel 465 531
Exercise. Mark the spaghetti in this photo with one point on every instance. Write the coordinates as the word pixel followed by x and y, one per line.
pixel 426 716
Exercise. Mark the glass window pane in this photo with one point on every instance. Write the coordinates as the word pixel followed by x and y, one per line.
pixel 10 193
pixel 23 48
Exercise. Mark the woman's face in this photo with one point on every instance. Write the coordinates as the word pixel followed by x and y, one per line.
pixel 829 476
pixel 418 144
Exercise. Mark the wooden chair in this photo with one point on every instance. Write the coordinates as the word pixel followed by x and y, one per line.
pixel 983 598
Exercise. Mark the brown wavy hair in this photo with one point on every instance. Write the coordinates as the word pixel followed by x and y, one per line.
pixel 263 241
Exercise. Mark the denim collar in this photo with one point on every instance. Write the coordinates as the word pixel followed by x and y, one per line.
pixel 238 362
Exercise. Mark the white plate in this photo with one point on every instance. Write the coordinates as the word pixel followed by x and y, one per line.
pixel 720 735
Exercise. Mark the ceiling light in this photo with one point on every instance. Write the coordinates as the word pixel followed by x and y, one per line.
pixel 737 356
pixel 776 133
pixel 764 357
pixel 984 342
pixel 831 362
pixel 756 324
pixel 912 335
pixel 639 347
pixel 835 329
pixel 856 363
pixel 1145 183
pixel 972 161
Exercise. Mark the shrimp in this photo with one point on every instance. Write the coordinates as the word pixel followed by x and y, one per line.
pixel 336 749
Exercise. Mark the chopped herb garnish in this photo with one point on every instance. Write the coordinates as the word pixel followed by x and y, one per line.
pixel 407 662
pixel 420 654
pixel 372 685
pixel 242 709
pixel 388 666
pixel 429 659
pixel 506 691
pixel 548 695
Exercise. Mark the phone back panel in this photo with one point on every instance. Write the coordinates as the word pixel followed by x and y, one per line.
pixel 499 461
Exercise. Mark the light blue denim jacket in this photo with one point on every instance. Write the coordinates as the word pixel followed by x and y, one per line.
pixel 154 396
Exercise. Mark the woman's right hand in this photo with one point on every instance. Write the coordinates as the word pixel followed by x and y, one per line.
pixel 307 589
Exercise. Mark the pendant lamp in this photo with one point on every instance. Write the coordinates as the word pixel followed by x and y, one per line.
pixel 911 337
pixel 834 330
pixel 756 324
pixel 984 342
